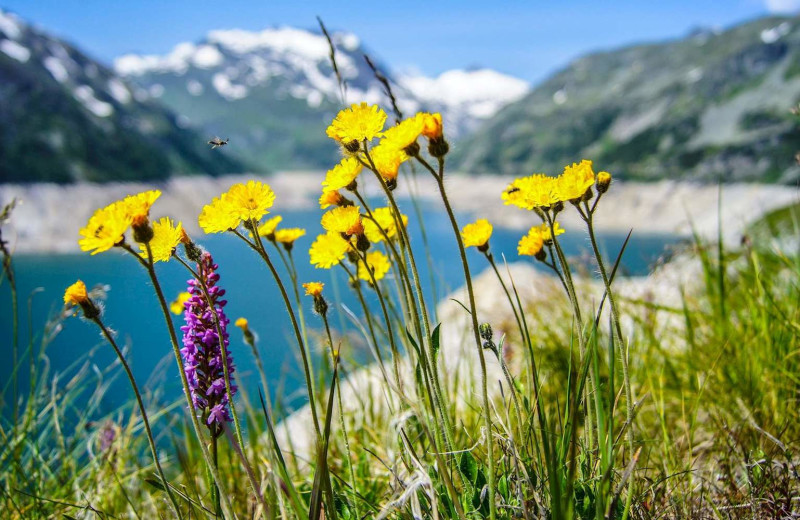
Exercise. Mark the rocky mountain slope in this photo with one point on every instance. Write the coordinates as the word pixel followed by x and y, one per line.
pixel 274 92
pixel 65 117
pixel 714 105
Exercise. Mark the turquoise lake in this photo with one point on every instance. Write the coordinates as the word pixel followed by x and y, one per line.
pixel 131 308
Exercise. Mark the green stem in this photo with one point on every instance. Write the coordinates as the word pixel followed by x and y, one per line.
pixel 405 241
pixel 334 356
pixel 148 265
pixel 474 315
pixel 226 376
pixel 588 218
pixel 145 420
pixel 258 246
pixel 389 331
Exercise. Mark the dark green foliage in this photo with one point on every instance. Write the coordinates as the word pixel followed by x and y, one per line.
pixel 47 134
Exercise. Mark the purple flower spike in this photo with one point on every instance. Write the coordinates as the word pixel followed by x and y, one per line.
pixel 201 347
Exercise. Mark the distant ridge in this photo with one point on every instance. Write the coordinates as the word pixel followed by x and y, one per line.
pixel 65 117
pixel 273 92
pixel 713 105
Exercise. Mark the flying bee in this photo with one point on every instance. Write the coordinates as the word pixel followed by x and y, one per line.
pixel 216 142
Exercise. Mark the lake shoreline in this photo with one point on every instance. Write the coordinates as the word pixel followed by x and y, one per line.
pixel 50 215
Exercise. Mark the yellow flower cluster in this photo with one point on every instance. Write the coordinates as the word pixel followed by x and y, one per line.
pixel 541 191
pixel 289 235
pixel 268 227
pixel 177 305
pixel 477 234
pixel 313 288
pixel 361 122
pixel 166 237
pixel 345 220
pixel 383 220
pixel 343 175
pixel 537 237
pixel 107 226
pixel 328 250
pixel 241 203
pixel 377 263
pixel 76 294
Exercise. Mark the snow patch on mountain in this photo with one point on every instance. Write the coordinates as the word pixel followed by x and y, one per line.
pixel 478 93
pixel 283 40
pixel 774 34
pixel 56 68
pixel 14 50
pixel 10 25
pixel 226 88
pixel 85 94
pixel 119 91
pixel 183 56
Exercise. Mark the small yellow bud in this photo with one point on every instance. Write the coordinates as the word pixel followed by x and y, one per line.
pixel 603 181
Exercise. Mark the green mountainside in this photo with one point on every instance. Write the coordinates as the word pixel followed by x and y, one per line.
pixel 65 117
pixel 714 105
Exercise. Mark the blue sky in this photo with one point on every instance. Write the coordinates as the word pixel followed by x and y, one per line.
pixel 528 39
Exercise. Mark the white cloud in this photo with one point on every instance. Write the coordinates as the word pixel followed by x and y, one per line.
pixel 782 6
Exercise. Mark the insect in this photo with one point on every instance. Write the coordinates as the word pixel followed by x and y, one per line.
pixel 512 190
pixel 216 142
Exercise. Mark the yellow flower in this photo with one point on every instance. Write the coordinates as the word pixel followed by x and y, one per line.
pixel 76 294
pixel 289 235
pixel 139 205
pixel 329 198
pixel 268 227
pixel 358 123
pixel 385 219
pixel 405 133
pixel 241 323
pixel 432 128
pixel 477 234
pixel 345 219
pixel 531 244
pixel 377 262
pixel 387 160
pixel 328 250
pixel 575 181
pixel 545 231
pixel 166 238
pixel 177 305
pixel 106 228
pixel 342 175
pixel 535 191
pixel 313 288
pixel 250 201
pixel 218 216
pixel 603 181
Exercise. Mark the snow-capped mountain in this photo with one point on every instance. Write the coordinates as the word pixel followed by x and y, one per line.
pixel 65 117
pixel 273 92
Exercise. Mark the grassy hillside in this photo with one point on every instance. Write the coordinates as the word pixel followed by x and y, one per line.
pixel 713 105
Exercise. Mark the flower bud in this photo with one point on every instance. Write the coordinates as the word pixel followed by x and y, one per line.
pixel 412 150
pixel 320 305
pixel 142 231
pixel 603 182
pixel 362 242
pixel 438 147
pixel 541 255
pixel 485 331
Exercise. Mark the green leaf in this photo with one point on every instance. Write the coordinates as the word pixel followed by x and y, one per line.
pixel 468 466
pixel 155 483
pixel 435 341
